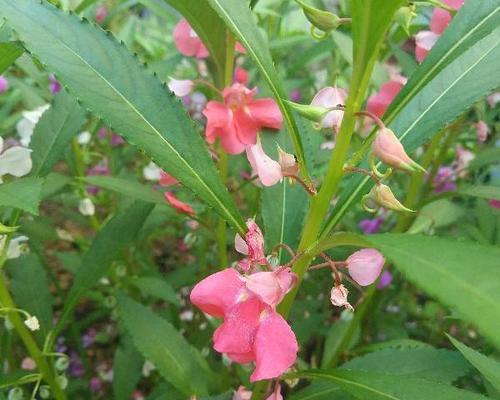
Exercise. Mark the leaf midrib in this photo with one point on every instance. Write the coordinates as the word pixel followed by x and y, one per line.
pixel 188 167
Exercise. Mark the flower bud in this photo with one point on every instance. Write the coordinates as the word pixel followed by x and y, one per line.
pixel 62 363
pixel 390 151
pixel 323 20
pixel 287 162
pixel 338 297
pixel 365 266
pixel 312 112
pixel 404 16
pixel 32 323
pixel 383 196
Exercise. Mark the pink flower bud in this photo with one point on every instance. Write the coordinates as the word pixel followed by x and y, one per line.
pixel 180 87
pixel 389 150
pixel 482 131
pixel 338 297
pixel 365 266
pixel 383 196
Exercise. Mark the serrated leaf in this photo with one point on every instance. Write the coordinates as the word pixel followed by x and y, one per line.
pixel 24 194
pixel 377 386
pixel 462 275
pixel 109 243
pixel 98 70
pixel 53 133
pixel 176 360
pixel 127 187
pixel 9 52
pixel 28 277
pixel 238 18
pixel 428 363
pixel 488 367
pixel 156 287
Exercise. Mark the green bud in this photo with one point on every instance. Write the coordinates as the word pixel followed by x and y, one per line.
pixel 63 381
pixel 383 196
pixel 323 20
pixel 15 394
pixel 44 392
pixel 62 363
pixel 404 16
pixel 313 113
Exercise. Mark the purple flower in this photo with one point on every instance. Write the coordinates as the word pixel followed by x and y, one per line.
pixel 370 226
pixel 95 384
pixel 4 84
pixel 97 170
pixel 295 95
pixel 54 85
pixel 116 140
pixel 76 368
pixel 444 181
pixel 89 338
pixel 385 280
pixel 102 133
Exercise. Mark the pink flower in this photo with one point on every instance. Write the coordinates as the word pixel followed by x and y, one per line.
pixel 287 162
pixel 190 45
pixel 425 40
pixel 390 151
pixel 379 102
pixel 464 158
pixel 271 287
pixel 179 205
pixel 242 394
pixel 167 179
pixel 365 266
pixel 482 131
pixel 268 170
pixel 338 297
pixel 241 75
pixel 493 99
pixel 180 87
pixel 444 181
pixel 4 84
pixel 495 203
pixel 330 97
pixel 100 14
pixel 54 85
pixel 276 394
pixel 238 120
pixel 252 246
pixel 252 331
pixel 28 364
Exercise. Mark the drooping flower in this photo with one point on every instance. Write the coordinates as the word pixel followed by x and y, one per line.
pixel 379 102
pixel 167 179
pixel 268 170
pixel 180 206
pixel 26 125
pixel 252 330
pixel 32 323
pixel 4 84
pixel 238 120
pixel 482 131
pixel 464 158
pixel 371 226
pixel 365 266
pixel 54 85
pixel 15 161
pixel 271 286
pixel 441 18
pixel 444 181
pixel 28 364
pixel 180 87
pixel 330 97
pixel 151 172
pixel 241 75
pixel 338 297
pixel 390 151
pixel 252 246
pixel 385 280
pixel 86 207
pixel 84 138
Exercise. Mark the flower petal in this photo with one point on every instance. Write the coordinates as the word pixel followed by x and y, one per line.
pixel 266 113
pixel 268 170
pixel 16 161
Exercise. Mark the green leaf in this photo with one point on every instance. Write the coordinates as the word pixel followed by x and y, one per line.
pixel 24 194
pixel 438 214
pixel 488 367
pixel 127 369
pixel 110 242
pixel 97 69
pixel 17 378
pixel 28 277
pixel 209 27
pixel 156 287
pixel 321 390
pixel 53 184
pixel 428 363
pixel 53 133
pixel 176 360
pixel 127 187
pixel 482 191
pixel 379 386
pixel 9 52
pixel 238 18
pixel 462 275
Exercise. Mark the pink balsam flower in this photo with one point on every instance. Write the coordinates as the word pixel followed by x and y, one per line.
pixel 239 118
pixel 252 330
pixel 482 131
pixel 252 247
pixel 365 266
pixel 379 102
pixel 167 179
pixel 268 170
pixel 330 97
pixel 180 206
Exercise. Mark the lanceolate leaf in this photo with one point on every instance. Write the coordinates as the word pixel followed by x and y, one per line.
pixel 9 52
pixel 176 360
pixel 110 82
pixel 54 132
pixel 482 191
pixel 462 275
pixel 378 386
pixel 23 194
pixel 238 18
pixel 488 367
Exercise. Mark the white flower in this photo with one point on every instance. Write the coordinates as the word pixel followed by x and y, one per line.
pixel 180 87
pixel 32 323
pixel 151 172
pixel 86 207
pixel 27 124
pixel 84 137
pixel 16 246
pixel 338 297
pixel 147 368
pixel 15 161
